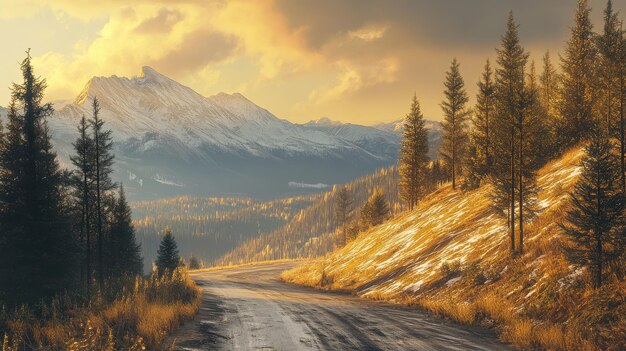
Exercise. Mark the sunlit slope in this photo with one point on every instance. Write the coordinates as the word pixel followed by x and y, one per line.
pixel 451 255
pixel 313 231
pixel 404 255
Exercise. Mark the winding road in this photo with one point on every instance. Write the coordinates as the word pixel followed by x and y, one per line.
pixel 249 308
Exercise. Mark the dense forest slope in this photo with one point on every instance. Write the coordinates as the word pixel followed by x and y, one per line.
pixel 313 231
pixel 208 227
pixel 451 255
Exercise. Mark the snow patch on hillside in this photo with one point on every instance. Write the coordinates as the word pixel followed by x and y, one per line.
pixel 305 185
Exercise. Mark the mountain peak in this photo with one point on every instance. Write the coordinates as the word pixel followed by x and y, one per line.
pixel 148 72
pixel 324 121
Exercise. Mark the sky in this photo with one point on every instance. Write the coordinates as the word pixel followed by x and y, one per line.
pixel 357 61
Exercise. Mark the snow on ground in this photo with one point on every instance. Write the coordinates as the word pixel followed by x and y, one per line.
pixel 306 185
pixel 404 254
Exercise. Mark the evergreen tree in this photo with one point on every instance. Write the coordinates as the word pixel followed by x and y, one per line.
pixel 81 181
pixel 376 210
pixel 549 99
pixel 37 245
pixel 436 173
pixel 168 258
pixel 413 157
pixel 454 126
pixel 343 210
pixel 531 150
pixel 595 224
pixel 481 145
pixel 125 256
pixel 509 88
pixel 576 105
pixel 103 162
pixel 549 87
pixel 608 46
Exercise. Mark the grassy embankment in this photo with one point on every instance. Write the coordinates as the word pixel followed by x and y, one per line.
pixel 451 256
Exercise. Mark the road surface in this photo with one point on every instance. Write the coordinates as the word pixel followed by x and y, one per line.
pixel 249 308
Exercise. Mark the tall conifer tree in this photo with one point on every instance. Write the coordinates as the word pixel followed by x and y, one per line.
pixel 509 87
pixel 608 44
pixel 454 125
pixel 413 157
pixel 103 162
pixel 37 251
pixel 82 182
pixel 343 209
pixel 576 105
pixel 481 148
pixel 126 253
pixel 595 224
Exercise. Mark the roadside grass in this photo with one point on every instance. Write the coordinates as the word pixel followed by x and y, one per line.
pixel 451 257
pixel 139 318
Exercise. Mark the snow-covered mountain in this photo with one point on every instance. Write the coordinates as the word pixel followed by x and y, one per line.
pixel 374 140
pixel 434 133
pixel 170 140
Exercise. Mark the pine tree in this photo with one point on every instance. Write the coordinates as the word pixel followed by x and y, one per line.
pixel 454 125
pixel 413 157
pixel 549 99
pixel 549 87
pixel 168 258
pixel 125 256
pixel 509 88
pixel 481 144
pixel 376 211
pixel 576 105
pixel 343 210
pixel 595 224
pixel 82 178
pixel 608 45
pixel 37 245
pixel 103 162
pixel 531 150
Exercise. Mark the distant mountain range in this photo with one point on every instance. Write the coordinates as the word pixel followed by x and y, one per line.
pixel 171 141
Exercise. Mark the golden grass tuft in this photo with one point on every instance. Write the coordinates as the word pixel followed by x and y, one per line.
pixel 550 337
pixel 139 319
pixel 519 332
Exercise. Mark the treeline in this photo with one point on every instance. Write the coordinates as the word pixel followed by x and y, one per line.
pixel 319 228
pixel 207 228
pixel 61 231
pixel 521 120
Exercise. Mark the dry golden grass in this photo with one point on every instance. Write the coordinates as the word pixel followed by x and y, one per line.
pixel 550 337
pixel 519 332
pixel 139 319
pixel 535 300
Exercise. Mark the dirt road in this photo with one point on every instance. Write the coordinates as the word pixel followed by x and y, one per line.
pixel 249 308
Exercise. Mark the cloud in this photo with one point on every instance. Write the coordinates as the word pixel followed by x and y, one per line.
pixel 161 23
pixel 301 59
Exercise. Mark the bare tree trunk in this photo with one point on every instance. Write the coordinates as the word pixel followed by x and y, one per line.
pixel 512 206
pixel 521 189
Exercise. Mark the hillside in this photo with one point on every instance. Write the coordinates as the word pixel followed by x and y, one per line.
pixel 451 255
pixel 312 232
pixel 207 228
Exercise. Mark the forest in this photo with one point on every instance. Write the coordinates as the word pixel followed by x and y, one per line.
pixel 70 264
